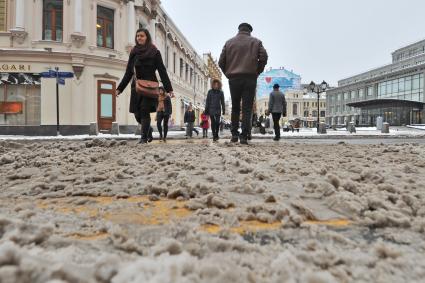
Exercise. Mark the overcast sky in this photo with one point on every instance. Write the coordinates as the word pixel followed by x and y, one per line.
pixel 317 39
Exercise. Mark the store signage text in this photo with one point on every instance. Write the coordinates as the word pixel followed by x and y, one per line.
pixel 14 67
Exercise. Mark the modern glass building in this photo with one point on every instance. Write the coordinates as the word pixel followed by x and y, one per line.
pixel 394 92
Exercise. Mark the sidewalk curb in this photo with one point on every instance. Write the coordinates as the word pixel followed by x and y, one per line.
pixel 321 137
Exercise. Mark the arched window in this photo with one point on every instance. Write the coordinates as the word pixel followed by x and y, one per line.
pixel 53 20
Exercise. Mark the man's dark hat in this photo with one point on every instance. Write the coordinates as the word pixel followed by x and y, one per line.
pixel 246 25
pixel 276 86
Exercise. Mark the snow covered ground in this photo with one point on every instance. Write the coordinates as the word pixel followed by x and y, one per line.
pixel 108 210
pixel 395 132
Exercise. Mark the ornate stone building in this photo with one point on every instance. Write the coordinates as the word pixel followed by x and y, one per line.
pixel 91 38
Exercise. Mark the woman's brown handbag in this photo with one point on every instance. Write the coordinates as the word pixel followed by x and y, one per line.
pixel 147 88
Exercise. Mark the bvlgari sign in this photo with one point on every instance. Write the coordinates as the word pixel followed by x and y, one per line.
pixel 15 68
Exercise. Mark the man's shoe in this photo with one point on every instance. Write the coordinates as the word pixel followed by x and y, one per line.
pixel 249 137
pixel 276 139
pixel 234 139
pixel 143 141
pixel 164 139
pixel 243 141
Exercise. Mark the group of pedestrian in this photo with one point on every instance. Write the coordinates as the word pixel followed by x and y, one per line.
pixel 242 60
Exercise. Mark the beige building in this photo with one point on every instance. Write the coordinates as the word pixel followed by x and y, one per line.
pixel 299 105
pixel 303 106
pixel 91 38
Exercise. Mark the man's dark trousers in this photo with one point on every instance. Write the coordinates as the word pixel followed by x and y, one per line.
pixel 242 88
pixel 215 124
pixel 276 119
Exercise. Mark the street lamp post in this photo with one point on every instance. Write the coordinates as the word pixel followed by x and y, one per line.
pixel 318 88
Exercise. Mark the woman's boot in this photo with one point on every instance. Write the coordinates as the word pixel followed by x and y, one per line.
pixel 145 131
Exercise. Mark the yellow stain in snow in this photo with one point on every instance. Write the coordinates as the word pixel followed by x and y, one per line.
pixel 141 211
pixel 122 211
pixel 88 237
pixel 332 222
pixel 257 226
pixel 244 227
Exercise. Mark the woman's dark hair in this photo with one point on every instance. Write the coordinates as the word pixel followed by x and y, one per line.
pixel 148 36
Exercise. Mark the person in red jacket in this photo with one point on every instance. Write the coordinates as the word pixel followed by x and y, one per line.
pixel 205 125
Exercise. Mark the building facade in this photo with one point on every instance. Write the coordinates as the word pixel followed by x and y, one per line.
pixel 302 105
pixel 394 92
pixel 92 39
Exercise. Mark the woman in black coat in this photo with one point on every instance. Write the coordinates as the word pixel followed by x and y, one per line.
pixel 145 59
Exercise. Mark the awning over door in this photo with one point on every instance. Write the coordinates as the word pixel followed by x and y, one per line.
pixel 20 79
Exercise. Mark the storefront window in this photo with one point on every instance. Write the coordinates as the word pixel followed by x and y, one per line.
pixel 105 27
pixel 20 99
pixel 52 20
pixel 407 88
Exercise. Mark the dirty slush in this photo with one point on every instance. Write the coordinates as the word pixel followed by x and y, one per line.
pixel 110 211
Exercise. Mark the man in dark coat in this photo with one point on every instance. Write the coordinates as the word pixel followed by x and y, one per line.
pixel 277 107
pixel 215 106
pixel 243 58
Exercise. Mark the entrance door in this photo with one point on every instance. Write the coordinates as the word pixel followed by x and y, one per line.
pixel 106 104
pixel 416 117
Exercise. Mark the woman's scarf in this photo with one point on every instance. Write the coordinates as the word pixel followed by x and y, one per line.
pixel 144 51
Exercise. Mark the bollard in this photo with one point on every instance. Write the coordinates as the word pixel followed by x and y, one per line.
pixel 385 128
pixel 115 130
pixel 379 123
pixel 322 128
pixel 94 130
pixel 138 130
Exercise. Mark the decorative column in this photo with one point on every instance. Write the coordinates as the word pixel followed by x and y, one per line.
pixel 18 31
pixel 153 29
pixel 78 16
pixel 20 15
pixel 131 22
pixel 77 37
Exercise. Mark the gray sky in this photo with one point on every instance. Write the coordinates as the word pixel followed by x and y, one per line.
pixel 318 39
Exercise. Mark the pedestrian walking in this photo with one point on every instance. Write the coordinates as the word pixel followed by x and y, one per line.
pixel 163 113
pixel 205 124
pixel 189 120
pixel 215 106
pixel 243 58
pixel 144 60
pixel 277 107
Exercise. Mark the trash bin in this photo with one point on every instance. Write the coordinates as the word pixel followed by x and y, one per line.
pixel 385 128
